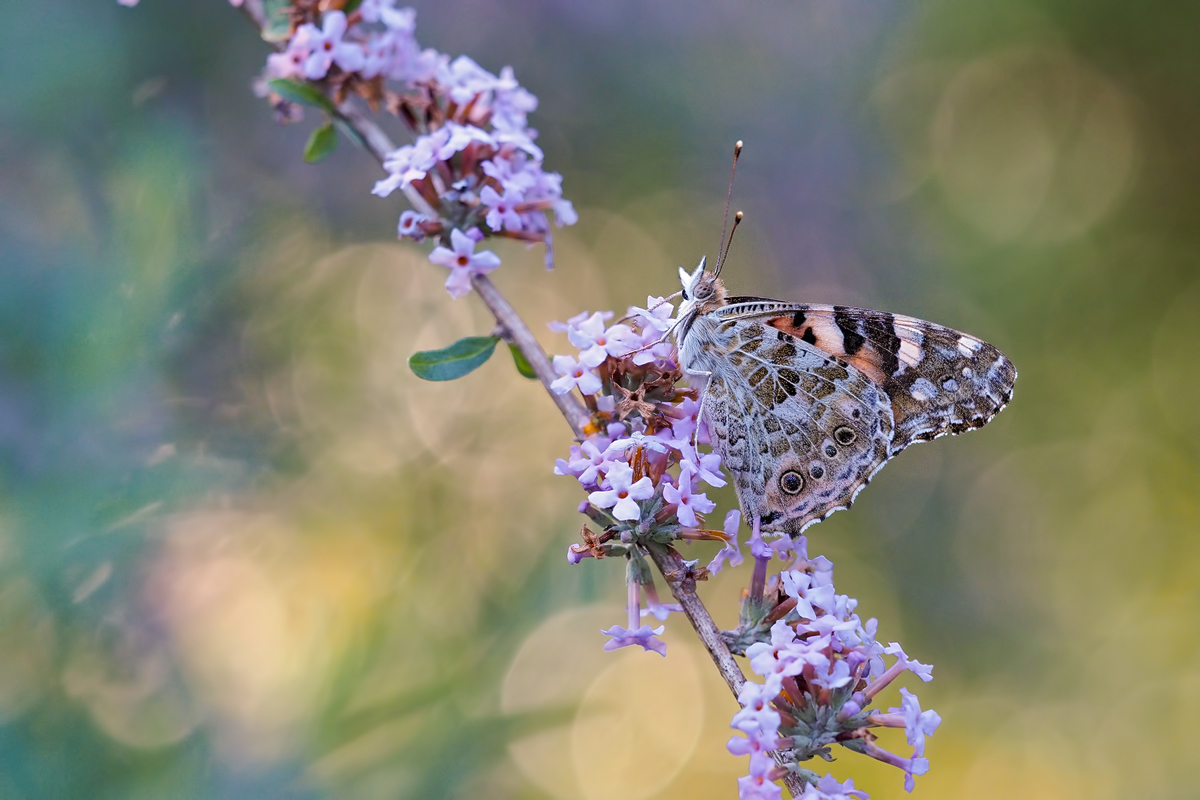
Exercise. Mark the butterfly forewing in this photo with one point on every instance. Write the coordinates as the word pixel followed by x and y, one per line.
pixel 939 380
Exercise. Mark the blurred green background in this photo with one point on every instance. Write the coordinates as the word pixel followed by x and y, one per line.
pixel 245 554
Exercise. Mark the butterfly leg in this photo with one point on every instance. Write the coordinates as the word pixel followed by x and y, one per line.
pixel 699 420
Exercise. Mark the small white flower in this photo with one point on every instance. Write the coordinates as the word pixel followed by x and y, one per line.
pixel 574 374
pixel 623 493
pixel 326 48
pixel 463 262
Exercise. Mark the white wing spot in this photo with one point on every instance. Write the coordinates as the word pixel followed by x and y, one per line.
pixel 968 346
pixel 910 353
pixel 923 390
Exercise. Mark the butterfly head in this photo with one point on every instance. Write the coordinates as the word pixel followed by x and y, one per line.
pixel 702 291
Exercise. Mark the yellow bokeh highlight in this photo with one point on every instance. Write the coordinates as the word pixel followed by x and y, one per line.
pixel 637 725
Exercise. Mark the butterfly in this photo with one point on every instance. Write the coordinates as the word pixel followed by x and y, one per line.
pixel 805 403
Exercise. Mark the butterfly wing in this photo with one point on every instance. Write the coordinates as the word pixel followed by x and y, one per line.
pixel 800 431
pixel 939 381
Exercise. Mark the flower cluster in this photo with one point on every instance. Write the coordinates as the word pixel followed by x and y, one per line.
pixel 822 668
pixel 473 167
pixel 640 463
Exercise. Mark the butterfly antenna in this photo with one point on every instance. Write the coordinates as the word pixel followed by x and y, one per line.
pixel 737 220
pixel 737 151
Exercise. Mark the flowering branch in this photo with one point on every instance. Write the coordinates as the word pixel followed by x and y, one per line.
pixel 510 325
pixel 474 172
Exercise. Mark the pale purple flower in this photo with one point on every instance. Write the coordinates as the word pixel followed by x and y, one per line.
pixel 410 225
pixel 687 504
pixel 746 745
pixel 911 766
pixel 410 162
pixel 380 52
pixel 653 347
pixel 660 611
pixel 502 211
pixel 564 466
pixel 705 467
pixel 457 137
pixel 623 492
pixel 917 723
pixel 650 442
pixel 758 783
pixel 326 47
pixel 759 548
pixel 834 677
pixel 463 262
pixel 862 636
pixel 922 671
pixel 511 102
pixel 576 321
pixel 757 717
pixel 796 584
pixel 591 462
pixel 615 430
pixel 574 373
pixel 827 624
pixel 288 64
pixel 656 314
pixel 644 637
pixel 564 211
pixel 780 658
pixel 512 173
pixel 916 766
pixel 596 342
pixel 730 552
pixel 401 20
pixel 574 556
pixel 828 788
pixel 757 787
pixel 464 79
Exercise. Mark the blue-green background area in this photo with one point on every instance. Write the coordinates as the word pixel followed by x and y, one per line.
pixel 245 554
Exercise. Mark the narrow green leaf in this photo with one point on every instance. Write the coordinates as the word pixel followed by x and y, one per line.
pixel 523 365
pixel 321 143
pixel 279 23
pixel 302 93
pixel 454 361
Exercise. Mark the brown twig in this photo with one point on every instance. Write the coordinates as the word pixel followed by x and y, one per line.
pixel 514 330
pixel 670 564
pixel 518 333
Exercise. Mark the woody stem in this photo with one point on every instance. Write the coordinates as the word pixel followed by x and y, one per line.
pixel 674 572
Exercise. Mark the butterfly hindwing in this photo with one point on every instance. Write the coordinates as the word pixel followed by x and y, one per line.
pixel 800 431
pixel 939 380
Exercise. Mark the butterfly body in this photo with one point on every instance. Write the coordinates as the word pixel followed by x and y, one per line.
pixel 805 403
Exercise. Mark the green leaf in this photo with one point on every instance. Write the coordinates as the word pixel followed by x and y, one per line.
pixel 523 365
pixel 302 93
pixel 454 361
pixel 279 23
pixel 322 142
pixel 350 6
